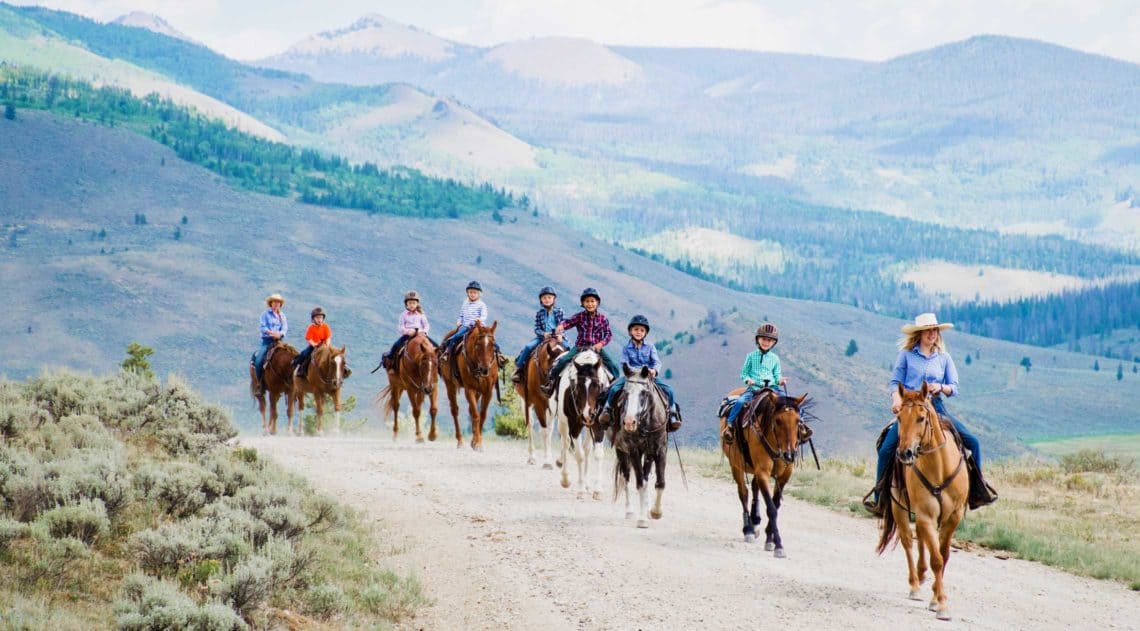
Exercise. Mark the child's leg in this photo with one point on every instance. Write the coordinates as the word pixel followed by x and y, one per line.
pixel 524 354
pixel 609 363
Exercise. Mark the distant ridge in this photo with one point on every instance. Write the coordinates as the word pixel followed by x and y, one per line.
pixel 152 22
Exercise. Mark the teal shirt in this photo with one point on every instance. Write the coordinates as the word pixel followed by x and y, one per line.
pixel 759 367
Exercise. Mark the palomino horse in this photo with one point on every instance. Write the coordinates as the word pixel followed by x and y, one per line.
pixel 537 371
pixel 418 375
pixel 936 489
pixel 478 365
pixel 328 368
pixel 640 440
pixel 579 388
pixel 765 446
pixel 278 381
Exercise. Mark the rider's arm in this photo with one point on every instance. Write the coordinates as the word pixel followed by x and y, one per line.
pixel 950 377
pixel 654 360
pixel 746 369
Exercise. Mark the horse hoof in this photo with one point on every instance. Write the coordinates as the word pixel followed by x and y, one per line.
pixel 643 523
pixel 566 484
pixel 769 546
pixel 597 495
pixel 530 460
pixel 943 615
pixel 431 437
pixel 749 538
pixel 580 495
pixel 780 554
pixel 933 606
pixel 460 445
pixel 655 514
pixel 420 440
pixel 547 466
pixel 629 514
pixel 914 595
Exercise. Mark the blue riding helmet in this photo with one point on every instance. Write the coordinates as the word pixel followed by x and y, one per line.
pixel 590 291
pixel 475 285
pixel 638 320
pixel 547 290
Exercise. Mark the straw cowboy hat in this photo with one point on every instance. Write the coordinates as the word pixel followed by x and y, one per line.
pixel 271 298
pixel 924 321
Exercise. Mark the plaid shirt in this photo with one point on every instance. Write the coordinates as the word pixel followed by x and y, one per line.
pixel 592 329
pixel 540 321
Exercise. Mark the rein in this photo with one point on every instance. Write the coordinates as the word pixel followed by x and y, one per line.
pixel 934 490
pixel 476 370
pixel 411 374
pixel 763 436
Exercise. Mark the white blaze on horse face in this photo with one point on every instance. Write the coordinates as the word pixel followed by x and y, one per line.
pixel 633 401
pixel 338 360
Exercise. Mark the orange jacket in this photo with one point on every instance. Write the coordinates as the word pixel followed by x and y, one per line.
pixel 318 333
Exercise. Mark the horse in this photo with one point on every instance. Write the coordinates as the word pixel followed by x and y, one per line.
pixel 935 492
pixel 766 448
pixel 640 440
pixel 278 381
pixel 579 388
pixel 477 363
pixel 537 370
pixel 328 368
pixel 418 375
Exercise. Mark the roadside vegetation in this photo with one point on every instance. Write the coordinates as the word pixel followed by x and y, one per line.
pixel 124 505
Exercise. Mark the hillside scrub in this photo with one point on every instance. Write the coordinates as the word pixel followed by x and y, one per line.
pixel 1079 514
pixel 122 504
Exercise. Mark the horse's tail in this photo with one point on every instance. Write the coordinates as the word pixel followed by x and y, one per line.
pixel 386 400
pixel 889 527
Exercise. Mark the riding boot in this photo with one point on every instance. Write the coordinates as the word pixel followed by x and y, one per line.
pixel 875 501
pixel 517 376
pixel 804 433
pixel 548 387
pixel 386 361
pixel 674 423
pixel 981 493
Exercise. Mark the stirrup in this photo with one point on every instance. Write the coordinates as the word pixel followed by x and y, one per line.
pixel 674 423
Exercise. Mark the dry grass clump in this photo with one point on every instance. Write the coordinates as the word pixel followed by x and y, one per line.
pixel 121 489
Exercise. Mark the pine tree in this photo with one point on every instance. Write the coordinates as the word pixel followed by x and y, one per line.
pixel 136 361
pixel 1025 361
pixel 1119 372
pixel 852 348
pixel 10 111
pixel 1096 365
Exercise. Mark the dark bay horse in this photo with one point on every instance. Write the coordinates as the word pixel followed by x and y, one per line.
pixel 640 441
pixel 328 368
pixel 477 363
pixel 934 473
pixel 575 401
pixel 766 449
pixel 417 375
pixel 537 371
pixel 278 381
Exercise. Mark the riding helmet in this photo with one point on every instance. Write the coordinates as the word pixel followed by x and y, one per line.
pixel 475 285
pixel 547 290
pixel 768 330
pixel 638 320
pixel 412 295
pixel 589 291
pixel 317 311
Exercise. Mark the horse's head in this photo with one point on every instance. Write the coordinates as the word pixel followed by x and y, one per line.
pixel 480 348
pixel 916 418
pixel 424 366
pixel 587 382
pixel 636 405
pixel 340 360
pixel 781 418
pixel 550 350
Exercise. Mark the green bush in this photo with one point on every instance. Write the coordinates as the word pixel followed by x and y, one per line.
pixel 326 601
pixel 508 418
pixel 248 586
pixel 86 521
pixel 146 604
pixel 1095 461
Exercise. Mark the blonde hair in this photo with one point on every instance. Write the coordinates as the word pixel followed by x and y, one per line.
pixel 910 341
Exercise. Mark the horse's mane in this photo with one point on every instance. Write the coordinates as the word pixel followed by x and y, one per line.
pixel 288 347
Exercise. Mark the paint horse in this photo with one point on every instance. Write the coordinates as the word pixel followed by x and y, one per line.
pixel 640 441
pixel 579 389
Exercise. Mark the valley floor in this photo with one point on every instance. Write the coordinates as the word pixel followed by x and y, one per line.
pixel 499 544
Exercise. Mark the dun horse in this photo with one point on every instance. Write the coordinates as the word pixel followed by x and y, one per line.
pixel 328 368
pixel 477 365
pixel 417 375
pixel 537 370
pixel 278 381
pixel 935 491
pixel 579 388
pixel 640 441
pixel 765 447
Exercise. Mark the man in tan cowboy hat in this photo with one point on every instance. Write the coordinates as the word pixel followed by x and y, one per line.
pixel 273 328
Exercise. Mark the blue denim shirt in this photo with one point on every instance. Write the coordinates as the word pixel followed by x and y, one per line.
pixel 912 368
pixel 645 355
pixel 546 321
pixel 270 322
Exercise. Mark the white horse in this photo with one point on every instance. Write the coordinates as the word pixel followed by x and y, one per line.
pixel 580 386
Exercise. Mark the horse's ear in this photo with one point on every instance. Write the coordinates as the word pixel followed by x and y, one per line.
pixel 902 391
pixel 626 370
pixel 800 401
pixel 478 324
pixel 644 371
pixel 494 325
pixel 773 397
pixel 924 391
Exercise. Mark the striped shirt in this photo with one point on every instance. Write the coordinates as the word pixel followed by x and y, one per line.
pixel 412 320
pixel 592 329
pixel 546 321
pixel 472 311
pixel 912 368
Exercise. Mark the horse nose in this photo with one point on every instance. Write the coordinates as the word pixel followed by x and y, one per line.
pixel 908 453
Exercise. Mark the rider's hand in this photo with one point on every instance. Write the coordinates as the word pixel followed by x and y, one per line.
pixel 546 336
pixel 597 347
pixel 749 382
pixel 783 381
pixel 895 407
pixel 652 373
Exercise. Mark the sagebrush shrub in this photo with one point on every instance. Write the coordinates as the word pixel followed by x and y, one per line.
pixel 326 601
pixel 248 586
pixel 145 604
pixel 85 520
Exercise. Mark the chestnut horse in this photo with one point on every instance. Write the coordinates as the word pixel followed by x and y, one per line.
pixel 640 441
pixel 477 363
pixel 278 381
pixel 934 473
pixel 580 387
pixel 537 371
pixel 328 368
pixel 766 448
pixel 417 375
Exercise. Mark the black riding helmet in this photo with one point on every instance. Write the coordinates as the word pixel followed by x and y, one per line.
pixel 638 320
pixel 317 311
pixel 587 292
pixel 475 285
pixel 547 290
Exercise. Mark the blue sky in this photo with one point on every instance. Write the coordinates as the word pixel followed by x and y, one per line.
pixel 861 29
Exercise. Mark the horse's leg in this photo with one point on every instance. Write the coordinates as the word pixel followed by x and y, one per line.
pixel 299 401
pixel 738 476
pixel 547 430
pixel 902 528
pixel 581 453
pixel 274 397
pixel 473 412
pixel 319 406
pixel 621 480
pixel 289 403
pixel 453 403
pixel 772 530
pixel 641 464
pixel 433 409
pixel 394 394
pixel 336 408
pixel 416 397
pixel 563 462
pixel 659 487
pixel 484 403
pixel 598 453
pixel 928 536
pixel 264 418
pixel 946 532
pixel 754 514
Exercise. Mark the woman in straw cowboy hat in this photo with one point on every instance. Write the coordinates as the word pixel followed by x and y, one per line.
pixel 273 328
pixel 923 358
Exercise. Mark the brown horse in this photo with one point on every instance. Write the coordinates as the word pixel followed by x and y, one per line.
pixel 537 371
pixel 766 448
pixel 936 488
pixel 278 381
pixel 418 375
pixel 477 363
pixel 328 368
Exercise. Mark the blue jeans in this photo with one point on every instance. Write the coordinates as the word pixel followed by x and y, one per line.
pixel 619 383
pixel 741 401
pixel 450 342
pixel 891 441
pixel 524 354
pixel 259 357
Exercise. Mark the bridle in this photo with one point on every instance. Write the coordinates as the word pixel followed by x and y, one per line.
pixel 788 457
pixel 411 374
pixel 928 433
pixel 475 339
pixel 332 382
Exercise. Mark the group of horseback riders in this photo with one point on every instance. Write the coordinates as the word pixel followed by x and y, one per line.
pixel 922 358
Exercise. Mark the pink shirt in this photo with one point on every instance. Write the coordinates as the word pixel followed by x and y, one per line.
pixel 412 320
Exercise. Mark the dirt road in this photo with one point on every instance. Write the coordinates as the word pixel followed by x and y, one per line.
pixel 499 544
